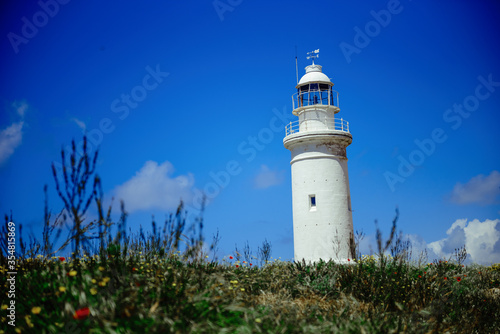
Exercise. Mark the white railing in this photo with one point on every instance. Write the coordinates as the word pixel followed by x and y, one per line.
pixel 314 125
pixel 315 97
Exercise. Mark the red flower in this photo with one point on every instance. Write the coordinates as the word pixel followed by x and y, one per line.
pixel 230 257
pixel 237 266
pixel 446 278
pixel 348 259
pixel 81 313
pixel 250 264
pixel 419 276
pixel 62 259
pixel 458 279
pixel 134 269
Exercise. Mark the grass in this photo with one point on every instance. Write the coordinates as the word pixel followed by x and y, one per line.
pixel 163 282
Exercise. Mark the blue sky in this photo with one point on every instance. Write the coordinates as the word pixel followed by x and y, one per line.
pixel 190 96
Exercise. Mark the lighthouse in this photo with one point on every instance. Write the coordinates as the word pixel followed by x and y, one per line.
pixel 321 200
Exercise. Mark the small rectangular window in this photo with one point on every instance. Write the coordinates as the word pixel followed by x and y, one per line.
pixel 312 202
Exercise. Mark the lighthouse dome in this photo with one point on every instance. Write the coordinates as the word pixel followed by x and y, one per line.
pixel 314 75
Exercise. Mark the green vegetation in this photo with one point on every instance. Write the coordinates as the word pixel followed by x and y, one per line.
pixel 164 282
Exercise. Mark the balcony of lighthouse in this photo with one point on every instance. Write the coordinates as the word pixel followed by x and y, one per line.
pixel 317 125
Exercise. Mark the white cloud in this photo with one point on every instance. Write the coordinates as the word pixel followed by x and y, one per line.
pixel 10 139
pixel 20 107
pixel 12 136
pixel 268 178
pixel 153 187
pixel 480 189
pixel 481 240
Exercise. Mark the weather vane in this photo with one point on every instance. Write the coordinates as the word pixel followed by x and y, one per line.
pixel 313 54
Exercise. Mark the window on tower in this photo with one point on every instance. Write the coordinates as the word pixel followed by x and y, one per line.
pixel 312 202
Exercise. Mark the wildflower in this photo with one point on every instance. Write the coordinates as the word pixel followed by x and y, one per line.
pixel 101 268
pixel 244 261
pixel 258 320
pixel 349 260
pixel 36 310
pixel 93 291
pixel 102 283
pixel 242 289
pixel 419 276
pixel 72 273
pixel 81 313
pixel 62 259
pixel 458 279
pixel 237 266
pixel 94 281
pixel 230 257
pixel 62 288
pixel 173 284
pixel 446 278
pixel 134 269
pixel 250 264
pixel 106 279
pixel 28 321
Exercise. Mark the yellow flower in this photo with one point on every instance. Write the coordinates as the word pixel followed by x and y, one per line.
pixel 101 268
pixel 242 289
pixel 94 281
pixel 106 279
pixel 36 310
pixel 93 291
pixel 173 284
pixel 62 288
pixel 102 283
pixel 28 321
pixel 72 273
pixel 258 320
pixel 4 307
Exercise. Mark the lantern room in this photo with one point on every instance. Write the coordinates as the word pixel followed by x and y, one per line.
pixel 315 89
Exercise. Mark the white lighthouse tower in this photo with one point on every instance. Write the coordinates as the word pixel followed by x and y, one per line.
pixel 322 216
